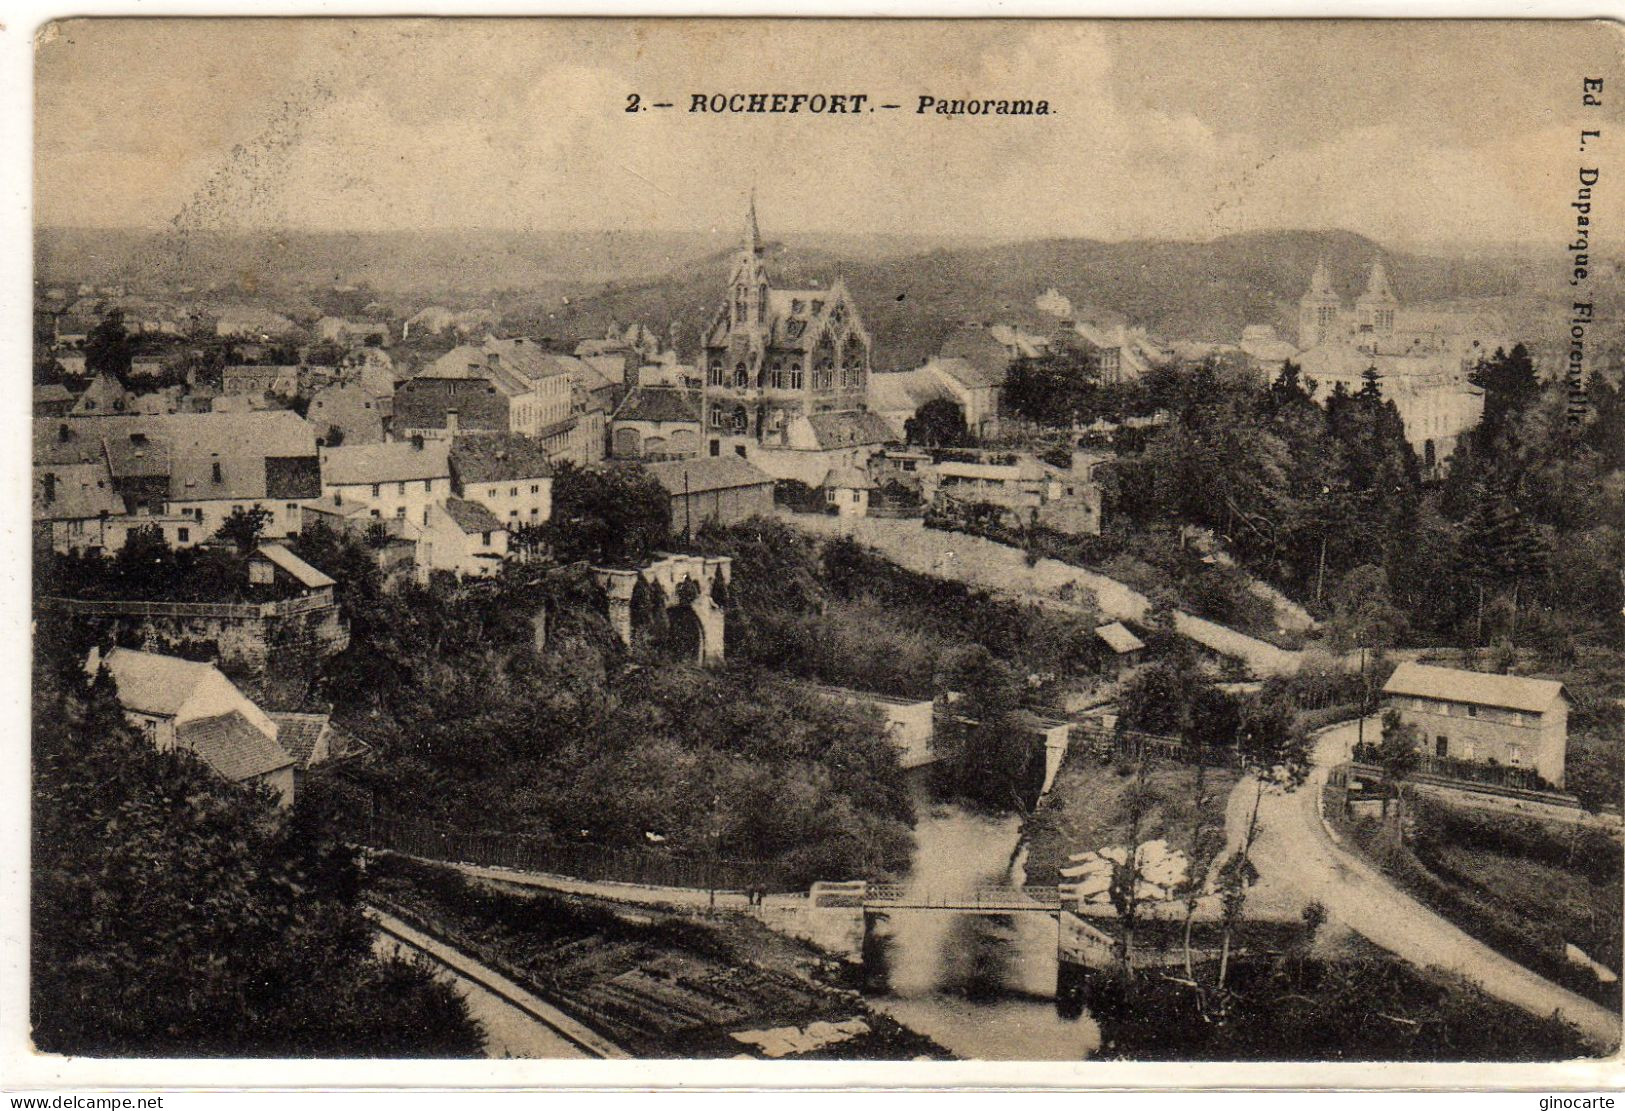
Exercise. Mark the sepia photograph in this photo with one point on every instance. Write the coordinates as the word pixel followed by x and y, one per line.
pixel 827 540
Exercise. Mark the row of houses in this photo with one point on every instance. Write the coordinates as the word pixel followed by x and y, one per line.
pixel 458 501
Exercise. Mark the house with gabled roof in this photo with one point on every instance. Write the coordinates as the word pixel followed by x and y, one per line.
pixel 726 490
pixel 657 422
pixel 1507 720
pixel 464 537
pixel 402 478
pixel 510 475
pixel 178 703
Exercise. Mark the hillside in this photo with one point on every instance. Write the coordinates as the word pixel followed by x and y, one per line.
pixel 912 289
pixel 1183 290
pixel 435 263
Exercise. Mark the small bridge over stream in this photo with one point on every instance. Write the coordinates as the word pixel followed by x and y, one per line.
pixel 987 899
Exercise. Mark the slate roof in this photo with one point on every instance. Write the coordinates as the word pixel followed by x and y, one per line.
pixel 971 375
pixel 1118 638
pixel 298 734
pixel 467 362
pixel 904 390
pixel 55 393
pixel 232 745
pixel 498 457
pixel 193 477
pixel 846 429
pixel 304 573
pixel 81 491
pixel 607 370
pixel 396 461
pixel 660 403
pixel 1451 684
pixel 472 517
pixel 103 396
pixel 849 478
pixel 721 473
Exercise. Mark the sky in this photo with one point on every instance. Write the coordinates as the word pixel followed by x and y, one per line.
pixel 1461 132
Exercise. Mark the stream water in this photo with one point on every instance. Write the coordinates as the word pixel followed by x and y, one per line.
pixel 980 986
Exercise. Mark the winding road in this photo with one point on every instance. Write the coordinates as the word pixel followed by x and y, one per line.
pixel 1298 859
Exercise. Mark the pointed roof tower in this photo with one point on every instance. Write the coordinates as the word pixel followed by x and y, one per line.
pixel 753 234
pixel 1377 288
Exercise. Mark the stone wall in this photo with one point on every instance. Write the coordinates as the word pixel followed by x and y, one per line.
pixel 242 635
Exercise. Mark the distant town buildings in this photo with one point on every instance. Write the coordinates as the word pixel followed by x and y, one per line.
pixel 1422 358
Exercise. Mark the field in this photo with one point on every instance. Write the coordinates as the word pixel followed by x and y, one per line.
pixel 657 985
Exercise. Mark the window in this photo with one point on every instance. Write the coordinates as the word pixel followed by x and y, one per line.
pixel 513 491
pixel 400 487
pixel 1472 711
pixel 428 485
pixel 375 489
pixel 375 513
pixel 183 535
pixel 400 512
pixel 535 489
pixel 293 507
pixel 485 539
pixel 716 448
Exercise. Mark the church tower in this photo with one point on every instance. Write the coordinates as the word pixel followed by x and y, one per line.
pixel 1377 304
pixel 1319 309
pixel 748 283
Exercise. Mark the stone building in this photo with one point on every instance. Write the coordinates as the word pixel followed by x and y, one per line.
pixel 1490 719
pixel 771 355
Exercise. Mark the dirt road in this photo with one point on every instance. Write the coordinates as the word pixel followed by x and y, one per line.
pixel 1003 570
pixel 1297 858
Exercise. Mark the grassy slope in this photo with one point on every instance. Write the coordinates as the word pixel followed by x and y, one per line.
pixel 1522 907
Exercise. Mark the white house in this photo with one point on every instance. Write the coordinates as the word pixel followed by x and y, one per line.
pixel 179 703
pixel 403 479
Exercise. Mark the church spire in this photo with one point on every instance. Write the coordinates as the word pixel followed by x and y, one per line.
pixel 1378 288
pixel 753 235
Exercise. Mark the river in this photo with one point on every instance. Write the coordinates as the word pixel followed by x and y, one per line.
pixel 981 987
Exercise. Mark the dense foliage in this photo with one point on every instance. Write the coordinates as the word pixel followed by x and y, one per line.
pixel 1301 1009
pixel 607 515
pixel 148 569
pixel 1310 492
pixel 473 726
pixel 174 914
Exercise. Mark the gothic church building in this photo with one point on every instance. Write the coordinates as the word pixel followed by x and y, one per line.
pixel 786 370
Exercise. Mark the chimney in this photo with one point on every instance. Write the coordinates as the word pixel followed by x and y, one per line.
pixel 629 373
pixel 451 422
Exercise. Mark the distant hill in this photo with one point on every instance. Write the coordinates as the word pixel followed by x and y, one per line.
pixel 432 262
pixel 1183 290
pixel 912 289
